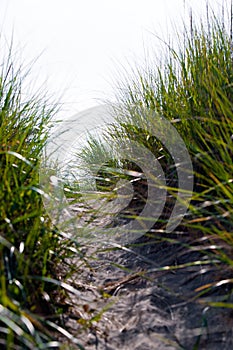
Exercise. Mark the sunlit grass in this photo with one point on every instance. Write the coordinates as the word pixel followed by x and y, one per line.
pixel 31 249
pixel 194 91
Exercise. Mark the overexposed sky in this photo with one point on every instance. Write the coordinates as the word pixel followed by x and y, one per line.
pixel 82 44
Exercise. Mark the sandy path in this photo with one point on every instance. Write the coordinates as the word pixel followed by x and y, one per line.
pixel 150 309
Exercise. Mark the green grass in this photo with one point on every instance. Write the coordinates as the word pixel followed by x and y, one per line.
pixel 31 249
pixel 194 91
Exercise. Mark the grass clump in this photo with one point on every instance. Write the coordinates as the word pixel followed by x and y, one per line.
pixel 194 91
pixel 30 247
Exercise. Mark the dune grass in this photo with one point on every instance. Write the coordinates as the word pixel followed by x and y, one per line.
pixel 30 247
pixel 194 91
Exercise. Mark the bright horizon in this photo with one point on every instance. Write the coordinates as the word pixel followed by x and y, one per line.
pixel 84 47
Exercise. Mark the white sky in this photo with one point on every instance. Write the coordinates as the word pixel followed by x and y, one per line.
pixel 84 42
